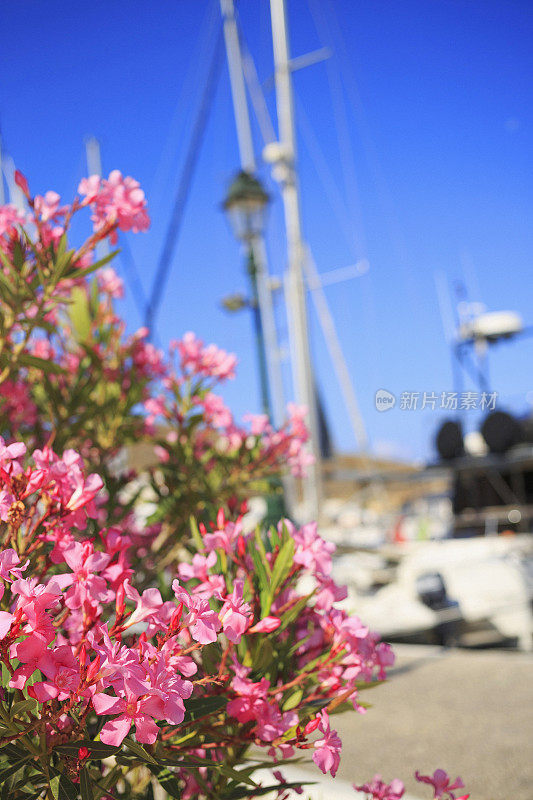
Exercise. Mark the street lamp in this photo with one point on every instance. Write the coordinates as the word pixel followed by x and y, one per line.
pixel 245 206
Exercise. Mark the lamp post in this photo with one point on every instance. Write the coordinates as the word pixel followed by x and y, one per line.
pixel 245 206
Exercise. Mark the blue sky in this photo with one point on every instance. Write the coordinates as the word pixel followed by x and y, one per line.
pixel 432 99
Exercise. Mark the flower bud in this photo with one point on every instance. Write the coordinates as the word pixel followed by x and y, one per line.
pixel 176 617
pixel 92 672
pixel 120 604
pixel 266 625
pixel 312 726
pixel 22 183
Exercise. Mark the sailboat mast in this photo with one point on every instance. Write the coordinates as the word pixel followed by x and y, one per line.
pixel 238 88
pixel 248 164
pixel 285 168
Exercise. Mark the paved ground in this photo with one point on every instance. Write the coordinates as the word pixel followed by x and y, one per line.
pixel 469 712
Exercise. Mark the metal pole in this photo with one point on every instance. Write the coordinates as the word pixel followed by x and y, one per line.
pixel 296 304
pixel 247 159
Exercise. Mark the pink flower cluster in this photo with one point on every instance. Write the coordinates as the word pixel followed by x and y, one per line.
pixel 83 660
pixel 208 361
pixel 377 789
pixel 115 201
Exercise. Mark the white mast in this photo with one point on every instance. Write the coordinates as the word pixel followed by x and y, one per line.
pixel 248 164
pixel 283 155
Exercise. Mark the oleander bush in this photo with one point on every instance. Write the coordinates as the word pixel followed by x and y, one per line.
pixel 146 634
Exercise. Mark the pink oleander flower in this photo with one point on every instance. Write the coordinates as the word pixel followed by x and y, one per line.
pixel 327 750
pixel 209 585
pixel 150 607
pixel 117 200
pixel 147 359
pixel 132 710
pixel 216 411
pixel 10 217
pixel 86 585
pixel 85 491
pixel 28 652
pixel 313 552
pixel 17 405
pixel 442 784
pixel 210 361
pixel 201 620
pixel 63 672
pixel 273 723
pixel 379 790
pixel 328 593
pixel 235 614
pixel 47 207
pixel 225 537
pixel 251 699
pixel 9 563
pixel 10 452
pixel 110 283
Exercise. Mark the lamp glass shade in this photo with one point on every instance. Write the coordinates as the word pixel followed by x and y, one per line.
pixel 245 206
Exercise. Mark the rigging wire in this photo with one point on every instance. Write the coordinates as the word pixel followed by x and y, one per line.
pixel 326 177
pixel 182 194
pixel 183 110
pixel 383 190
pixel 344 140
pixel 264 120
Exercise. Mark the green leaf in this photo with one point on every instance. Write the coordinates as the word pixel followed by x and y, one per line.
pixel 361 686
pixel 263 655
pixel 201 706
pixel 139 751
pixel 6 789
pixel 27 360
pixel 195 532
pixel 211 658
pixel 13 751
pixel 23 706
pixel 238 776
pixel 264 585
pixel 85 785
pixel 167 781
pixel 261 549
pixel 79 313
pixel 12 769
pixel 6 286
pixel 84 271
pixel 294 612
pixel 97 750
pixel 293 700
pixel 63 788
pixel 282 567
pixel 241 792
